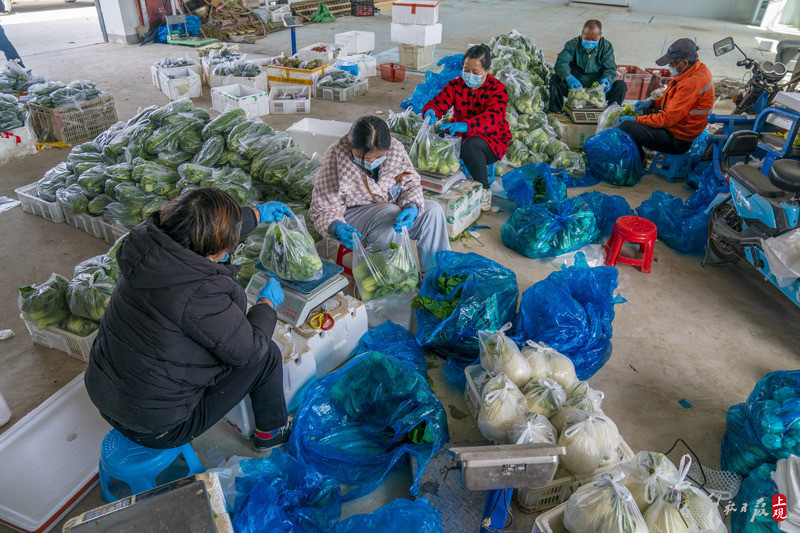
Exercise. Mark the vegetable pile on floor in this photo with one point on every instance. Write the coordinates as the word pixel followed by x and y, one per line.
pixel 16 80
pixel 12 113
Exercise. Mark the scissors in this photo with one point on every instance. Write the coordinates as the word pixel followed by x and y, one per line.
pixel 322 321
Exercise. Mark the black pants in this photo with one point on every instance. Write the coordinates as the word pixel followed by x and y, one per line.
pixel 476 154
pixel 658 139
pixel 263 381
pixel 559 90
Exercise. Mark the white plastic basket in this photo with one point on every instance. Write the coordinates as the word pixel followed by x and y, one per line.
pixel 111 233
pixel 91 225
pixel 36 206
pixel 336 94
pixel 552 521
pixel 69 343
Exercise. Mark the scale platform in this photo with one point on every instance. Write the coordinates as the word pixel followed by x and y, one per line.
pixel 184 39
pixel 584 115
pixel 438 183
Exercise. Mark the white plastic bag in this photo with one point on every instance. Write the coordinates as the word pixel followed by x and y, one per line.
pixel 666 514
pixel 604 505
pixel 581 396
pixel 533 429
pixel 544 396
pixel 503 406
pixel 499 354
pixel 592 440
pixel 603 122
pixel 559 367
pixel 783 256
pixel 704 511
pixel 648 476
pixel 290 252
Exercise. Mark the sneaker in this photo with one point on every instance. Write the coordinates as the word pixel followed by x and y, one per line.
pixel 486 200
pixel 266 440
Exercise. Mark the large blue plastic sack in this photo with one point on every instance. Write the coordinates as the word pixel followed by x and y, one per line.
pixel 488 300
pixel 533 184
pixel 399 516
pixel 756 494
pixel 392 339
pixel 192 27
pixel 550 229
pixel 434 83
pixel 611 155
pixel 572 310
pixel 607 208
pixel 773 409
pixel 741 452
pixel 698 149
pixel 278 493
pixel 358 422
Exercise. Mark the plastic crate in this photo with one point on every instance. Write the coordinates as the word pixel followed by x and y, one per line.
pixel 416 57
pixel 393 72
pixel 111 233
pixel 637 79
pixel 91 225
pixel 69 343
pixel 73 124
pixel 335 94
pixel 661 78
pixel 288 107
pixel 552 521
pixel 181 83
pixel 254 102
pixel 36 206
pixel 362 8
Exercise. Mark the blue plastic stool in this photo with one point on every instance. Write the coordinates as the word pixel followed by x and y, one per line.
pixel 123 460
pixel 489 170
pixel 672 167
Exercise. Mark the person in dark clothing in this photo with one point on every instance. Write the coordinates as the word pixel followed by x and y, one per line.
pixel 5 45
pixel 176 349
pixel 585 60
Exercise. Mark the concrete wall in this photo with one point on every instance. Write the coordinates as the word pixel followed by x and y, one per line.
pixel 121 18
pixel 732 10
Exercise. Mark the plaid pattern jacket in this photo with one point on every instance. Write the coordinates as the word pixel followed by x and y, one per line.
pixel 341 183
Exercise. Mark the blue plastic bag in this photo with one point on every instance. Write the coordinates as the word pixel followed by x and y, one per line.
pixel 533 184
pixel 392 339
pixel 399 516
pixel 607 208
pixel 434 83
pixel 611 155
pixel 358 422
pixel 488 300
pixel 756 493
pixel 572 310
pixel 192 27
pixel 773 410
pixel 741 452
pixel 698 149
pixel 278 493
pixel 550 229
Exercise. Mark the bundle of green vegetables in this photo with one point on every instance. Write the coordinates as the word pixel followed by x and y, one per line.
pixel 441 309
pixel 406 123
pixel 174 62
pixel 289 251
pixel 56 94
pixel 79 325
pixel 45 305
pixel 383 273
pixel 12 113
pixel 338 79
pixel 16 80
pixel 240 68
pixel 100 263
pixel 612 119
pixel 88 294
pixel 591 97
pixel 572 162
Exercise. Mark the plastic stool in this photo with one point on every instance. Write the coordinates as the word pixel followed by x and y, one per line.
pixel 672 167
pixel 636 230
pixel 343 251
pixel 123 460
pixel 489 171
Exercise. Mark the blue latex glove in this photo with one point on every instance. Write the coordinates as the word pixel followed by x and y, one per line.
pixel 345 233
pixel 573 82
pixel 431 114
pixel 406 218
pixel 273 211
pixel 606 84
pixel 625 118
pixel 455 127
pixel 272 291
pixel 642 105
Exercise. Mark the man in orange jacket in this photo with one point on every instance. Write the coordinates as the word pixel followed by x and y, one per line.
pixel 669 124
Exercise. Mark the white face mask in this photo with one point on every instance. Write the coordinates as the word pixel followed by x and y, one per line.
pixel 672 70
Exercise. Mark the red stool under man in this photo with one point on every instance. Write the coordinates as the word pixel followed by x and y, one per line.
pixel 343 251
pixel 636 230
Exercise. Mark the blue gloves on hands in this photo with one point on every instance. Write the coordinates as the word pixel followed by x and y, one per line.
pixel 272 291
pixel 606 84
pixel 573 82
pixel 455 127
pixel 625 118
pixel 344 232
pixel 273 211
pixel 406 218
pixel 642 105
pixel 430 114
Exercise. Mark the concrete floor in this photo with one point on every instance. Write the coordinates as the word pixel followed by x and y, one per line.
pixel 701 334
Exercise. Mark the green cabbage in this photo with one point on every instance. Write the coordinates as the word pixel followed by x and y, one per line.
pixel 45 304
pixel 89 294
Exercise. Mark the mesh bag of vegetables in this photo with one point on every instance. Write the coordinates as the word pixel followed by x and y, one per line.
pixel 533 429
pixel 499 354
pixel 612 156
pixel 603 505
pixel 610 117
pixel 581 396
pixel 588 97
pixel 45 304
pixel 387 272
pixel 435 153
pixel 592 440
pixel 89 294
pixel 502 406
pixel 289 250
pixel 741 451
pixel 548 363
pixel 533 184
pixel 773 410
pixel 544 396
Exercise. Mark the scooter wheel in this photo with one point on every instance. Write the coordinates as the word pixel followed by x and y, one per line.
pixel 723 252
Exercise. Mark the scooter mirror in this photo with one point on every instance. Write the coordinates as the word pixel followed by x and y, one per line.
pixel 724 46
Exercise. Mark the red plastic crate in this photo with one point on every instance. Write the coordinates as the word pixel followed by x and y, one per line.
pixel 637 79
pixel 393 72
pixel 661 77
pixel 362 9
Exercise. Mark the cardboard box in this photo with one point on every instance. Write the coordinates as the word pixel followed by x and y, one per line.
pixel 416 34
pixel 415 12
pixel 255 102
pixel 461 204
pixel 295 76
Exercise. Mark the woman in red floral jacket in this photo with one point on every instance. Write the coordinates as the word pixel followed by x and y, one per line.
pixel 479 104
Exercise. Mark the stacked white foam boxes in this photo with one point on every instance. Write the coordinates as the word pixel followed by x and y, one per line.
pixel 416 31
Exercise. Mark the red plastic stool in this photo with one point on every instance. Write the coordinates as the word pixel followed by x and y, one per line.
pixel 636 230
pixel 343 251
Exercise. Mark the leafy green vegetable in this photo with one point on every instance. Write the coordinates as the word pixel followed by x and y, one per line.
pixel 439 155
pixel 89 294
pixel 441 309
pixel 384 273
pixel 224 123
pixel 99 263
pixel 211 151
pixel 45 304
pixel 98 204
pixel 79 326
pixel 74 199
pixel 289 250
pixel 591 97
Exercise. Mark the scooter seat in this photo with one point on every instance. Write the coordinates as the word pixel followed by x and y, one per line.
pixel 755 181
pixel 785 174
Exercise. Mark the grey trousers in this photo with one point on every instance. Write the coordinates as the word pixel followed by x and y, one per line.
pixel 375 222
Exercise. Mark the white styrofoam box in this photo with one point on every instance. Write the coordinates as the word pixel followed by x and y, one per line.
pixel 415 12
pixel 181 83
pixel 259 82
pixel 17 143
pixel 355 42
pixel 313 135
pixel 155 73
pixel 307 53
pixel 280 11
pixel 255 102
pixel 461 204
pixel 416 34
pixel 367 64
pixel 5 412
pixel 278 106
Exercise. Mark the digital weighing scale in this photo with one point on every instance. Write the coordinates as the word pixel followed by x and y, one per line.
pixel 183 38
pixel 301 297
pixel 584 115
pixel 438 183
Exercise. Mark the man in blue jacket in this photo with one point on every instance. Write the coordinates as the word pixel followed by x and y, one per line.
pixel 586 59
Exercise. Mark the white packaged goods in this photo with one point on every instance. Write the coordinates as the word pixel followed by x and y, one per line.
pixel 259 82
pixel 356 42
pixel 276 15
pixel 180 83
pixel 290 100
pixel 367 65
pixel 416 34
pixel 155 73
pixel 462 205
pixel 313 135
pixel 17 143
pixel 415 12
pixel 327 52
pixel 255 102
pixel 5 412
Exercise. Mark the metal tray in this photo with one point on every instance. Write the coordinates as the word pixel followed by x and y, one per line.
pixel 507 466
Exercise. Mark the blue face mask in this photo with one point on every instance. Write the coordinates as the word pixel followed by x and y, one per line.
pixel 369 165
pixel 590 45
pixel 472 80
pixel 225 258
